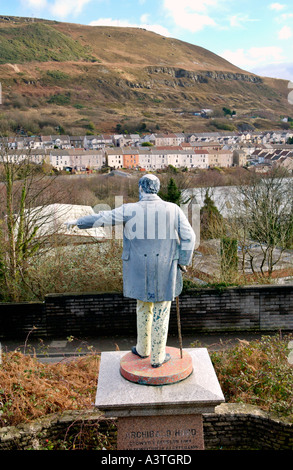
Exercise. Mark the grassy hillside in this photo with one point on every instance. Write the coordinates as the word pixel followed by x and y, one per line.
pixel 38 42
pixel 26 41
pixel 78 79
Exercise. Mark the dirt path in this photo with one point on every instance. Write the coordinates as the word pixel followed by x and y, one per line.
pixel 15 67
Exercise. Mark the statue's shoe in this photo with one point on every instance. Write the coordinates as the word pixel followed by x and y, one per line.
pixel 167 358
pixel 134 351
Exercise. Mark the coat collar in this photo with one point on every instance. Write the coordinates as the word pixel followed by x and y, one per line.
pixel 150 197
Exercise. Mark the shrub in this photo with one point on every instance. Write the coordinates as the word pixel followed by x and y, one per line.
pixel 257 373
pixel 30 389
pixel 221 125
pixel 57 75
pixel 72 269
pixel 60 99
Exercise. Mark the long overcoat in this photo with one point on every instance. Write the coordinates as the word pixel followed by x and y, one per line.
pixel 157 237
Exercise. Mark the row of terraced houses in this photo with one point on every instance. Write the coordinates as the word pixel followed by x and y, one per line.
pixel 152 152
pixel 75 160
pixel 162 157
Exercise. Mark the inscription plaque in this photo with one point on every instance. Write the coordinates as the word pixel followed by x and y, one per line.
pixel 160 433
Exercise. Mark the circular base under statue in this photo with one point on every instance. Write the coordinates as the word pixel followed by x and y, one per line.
pixel 140 371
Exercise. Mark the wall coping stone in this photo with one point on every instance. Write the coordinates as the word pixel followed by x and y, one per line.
pixel 252 410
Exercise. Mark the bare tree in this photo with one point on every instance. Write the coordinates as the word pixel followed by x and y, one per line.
pixel 263 220
pixel 24 188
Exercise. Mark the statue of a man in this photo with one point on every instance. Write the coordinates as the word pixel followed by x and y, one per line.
pixel 157 241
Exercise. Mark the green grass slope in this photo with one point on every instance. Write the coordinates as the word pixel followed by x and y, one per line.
pixel 38 42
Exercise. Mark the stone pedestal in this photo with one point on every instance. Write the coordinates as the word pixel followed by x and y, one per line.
pixel 159 417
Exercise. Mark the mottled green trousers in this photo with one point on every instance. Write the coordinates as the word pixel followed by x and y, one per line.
pixel 152 329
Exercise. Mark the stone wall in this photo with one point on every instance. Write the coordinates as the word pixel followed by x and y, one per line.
pixel 231 426
pixel 18 319
pixel 42 432
pixel 246 427
pixel 255 308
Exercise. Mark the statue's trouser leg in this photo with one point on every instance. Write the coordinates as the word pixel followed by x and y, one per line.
pixel 152 329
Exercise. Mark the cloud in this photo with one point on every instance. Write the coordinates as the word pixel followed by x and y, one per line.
pixel 59 8
pixel 156 28
pixel 144 18
pixel 285 33
pixel 286 16
pixel 277 6
pixel 238 20
pixel 199 6
pixel 35 4
pixel 284 71
pixel 254 57
pixel 65 8
pixel 192 15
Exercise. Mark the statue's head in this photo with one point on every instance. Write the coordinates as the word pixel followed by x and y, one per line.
pixel 149 184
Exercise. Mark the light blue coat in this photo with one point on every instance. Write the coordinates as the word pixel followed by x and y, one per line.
pixel 157 236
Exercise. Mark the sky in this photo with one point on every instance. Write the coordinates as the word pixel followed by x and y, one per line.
pixel 255 35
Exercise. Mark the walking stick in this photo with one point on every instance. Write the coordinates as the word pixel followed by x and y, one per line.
pixel 179 326
pixel 183 269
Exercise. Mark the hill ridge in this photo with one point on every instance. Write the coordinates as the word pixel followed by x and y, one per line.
pixel 95 78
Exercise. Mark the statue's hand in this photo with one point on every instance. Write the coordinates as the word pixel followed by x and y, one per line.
pixel 183 268
pixel 70 223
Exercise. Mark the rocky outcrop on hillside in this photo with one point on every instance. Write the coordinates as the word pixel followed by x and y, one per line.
pixel 172 77
pixel 204 76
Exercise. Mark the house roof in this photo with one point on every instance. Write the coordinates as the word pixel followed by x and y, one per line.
pixel 51 221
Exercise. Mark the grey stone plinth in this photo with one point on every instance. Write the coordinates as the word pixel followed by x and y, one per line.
pixel 199 393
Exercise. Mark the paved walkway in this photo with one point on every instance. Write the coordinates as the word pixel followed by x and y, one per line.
pixel 60 349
